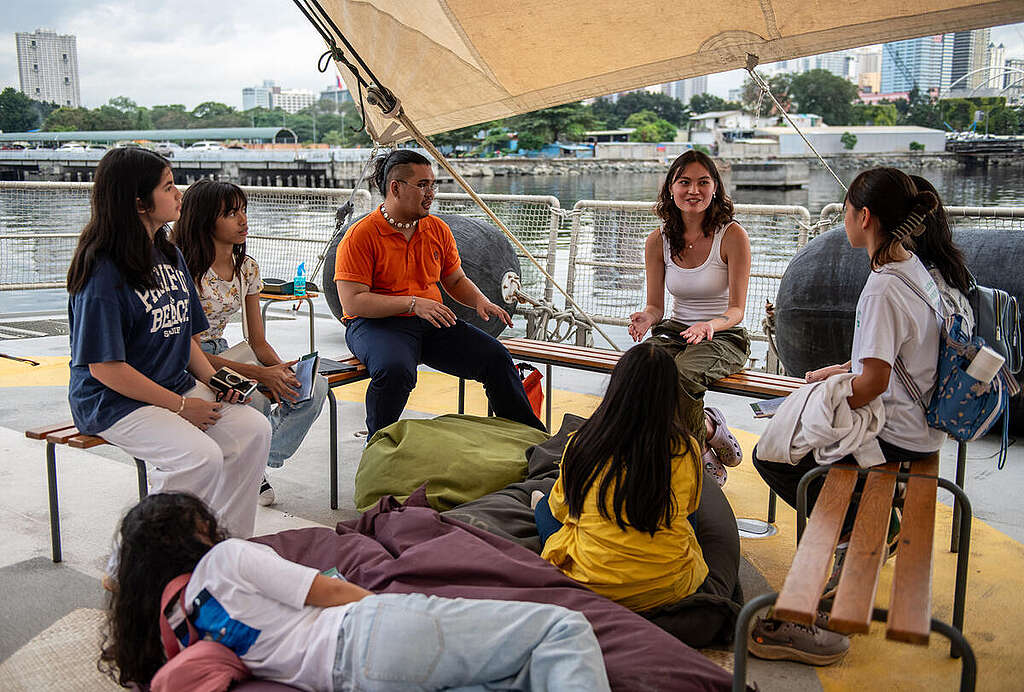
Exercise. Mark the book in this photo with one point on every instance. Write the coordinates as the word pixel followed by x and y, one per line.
pixel 767 408
pixel 305 369
pixel 329 367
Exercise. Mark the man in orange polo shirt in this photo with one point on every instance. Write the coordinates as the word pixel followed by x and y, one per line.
pixel 387 269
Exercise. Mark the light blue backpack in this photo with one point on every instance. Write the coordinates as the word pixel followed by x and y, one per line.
pixel 960 405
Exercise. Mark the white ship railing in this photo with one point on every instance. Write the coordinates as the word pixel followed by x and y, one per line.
pixel 595 249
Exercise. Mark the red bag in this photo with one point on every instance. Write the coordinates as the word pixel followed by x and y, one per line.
pixel 531 378
pixel 203 666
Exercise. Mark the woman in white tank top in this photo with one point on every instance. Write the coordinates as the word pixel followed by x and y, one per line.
pixel 701 257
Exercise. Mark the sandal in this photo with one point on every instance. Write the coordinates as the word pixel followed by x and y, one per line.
pixel 713 467
pixel 726 446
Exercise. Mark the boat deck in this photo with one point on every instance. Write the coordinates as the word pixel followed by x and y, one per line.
pixel 50 613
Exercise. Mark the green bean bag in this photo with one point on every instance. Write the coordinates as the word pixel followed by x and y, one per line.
pixel 460 458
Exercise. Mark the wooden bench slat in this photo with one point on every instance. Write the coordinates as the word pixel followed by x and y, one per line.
pixel 855 598
pixel 910 605
pixel 41 433
pixel 62 436
pixel 86 441
pixel 340 378
pixel 798 601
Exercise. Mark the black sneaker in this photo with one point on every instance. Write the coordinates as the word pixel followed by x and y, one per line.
pixel 779 640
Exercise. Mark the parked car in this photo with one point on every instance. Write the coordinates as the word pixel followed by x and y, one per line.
pixel 206 145
pixel 167 149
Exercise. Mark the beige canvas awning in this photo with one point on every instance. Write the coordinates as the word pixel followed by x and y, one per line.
pixel 454 63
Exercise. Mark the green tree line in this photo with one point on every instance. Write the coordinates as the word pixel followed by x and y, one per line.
pixel 836 100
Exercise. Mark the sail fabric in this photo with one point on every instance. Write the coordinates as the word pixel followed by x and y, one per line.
pixel 455 63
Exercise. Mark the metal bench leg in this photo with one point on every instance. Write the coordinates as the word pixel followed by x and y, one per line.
pixel 462 395
pixel 969 666
pixel 961 501
pixel 312 334
pixel 772 502
pixel 801 499
pixel 140 468
pixel 333 461
pixel 547 400
pixel 51 486
pixel 739 665
pixel 961 462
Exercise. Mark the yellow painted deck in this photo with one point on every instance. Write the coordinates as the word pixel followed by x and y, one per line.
pixel 996 582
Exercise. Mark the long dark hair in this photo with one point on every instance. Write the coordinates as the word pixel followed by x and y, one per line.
pixel 201 205
pixel 384 166
pixel 718 214
pixel 163 536
pixel 893 199
pixel 935 246
pixel 124 176
pixel 631 439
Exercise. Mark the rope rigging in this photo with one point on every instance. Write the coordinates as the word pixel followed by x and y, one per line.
pixel 391 107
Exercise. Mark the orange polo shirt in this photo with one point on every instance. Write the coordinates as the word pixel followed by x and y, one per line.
pixel 375 253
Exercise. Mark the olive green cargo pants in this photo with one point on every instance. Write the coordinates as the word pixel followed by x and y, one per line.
pixel 701 364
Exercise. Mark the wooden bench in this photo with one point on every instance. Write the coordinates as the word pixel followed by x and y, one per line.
pixel 909 617
pixel 67 434
pixel 761 385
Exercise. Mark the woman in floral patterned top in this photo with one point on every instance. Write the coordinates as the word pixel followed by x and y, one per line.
pixel 211 235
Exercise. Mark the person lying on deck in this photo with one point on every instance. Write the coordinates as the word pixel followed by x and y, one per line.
pixel 292 624
pixel 387 269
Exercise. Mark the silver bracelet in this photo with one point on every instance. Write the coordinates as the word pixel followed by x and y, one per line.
pixel 412 306
pixel 181 407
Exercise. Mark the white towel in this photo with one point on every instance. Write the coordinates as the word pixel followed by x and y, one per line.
pixel 816 418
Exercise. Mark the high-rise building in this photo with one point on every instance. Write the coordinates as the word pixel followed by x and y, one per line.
pixel 259 96
pixel 48 67
pixel 294 100
pixel 915 62
pixel 686 89
pixel 338 95
pixel 869 69
pixel 965 55
pixel 1013 81
pixel 995 57
pixel 841 63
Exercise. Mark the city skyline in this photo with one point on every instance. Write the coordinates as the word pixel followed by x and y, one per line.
pixel 214 50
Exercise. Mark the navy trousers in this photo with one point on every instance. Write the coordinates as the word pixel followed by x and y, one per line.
pixel 392 347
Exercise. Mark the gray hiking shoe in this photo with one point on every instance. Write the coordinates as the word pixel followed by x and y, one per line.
pixel 788 641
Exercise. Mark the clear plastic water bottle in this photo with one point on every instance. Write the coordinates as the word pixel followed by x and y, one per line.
pixel 299 285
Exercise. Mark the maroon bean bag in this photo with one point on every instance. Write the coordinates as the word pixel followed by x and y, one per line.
pixel 408 548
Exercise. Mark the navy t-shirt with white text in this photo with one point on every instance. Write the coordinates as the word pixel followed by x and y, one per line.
pixel 149 329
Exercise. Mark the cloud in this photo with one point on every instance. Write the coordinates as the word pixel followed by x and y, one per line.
pixel 186 51
pixel 191 51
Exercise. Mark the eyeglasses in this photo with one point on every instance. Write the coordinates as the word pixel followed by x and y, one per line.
pixel 423 187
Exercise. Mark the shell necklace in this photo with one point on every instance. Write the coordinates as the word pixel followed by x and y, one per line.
pixel 394 223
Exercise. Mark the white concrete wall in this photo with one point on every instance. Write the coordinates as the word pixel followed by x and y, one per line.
pixel 867 143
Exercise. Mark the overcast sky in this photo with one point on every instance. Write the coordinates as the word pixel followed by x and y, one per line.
pixel 190 51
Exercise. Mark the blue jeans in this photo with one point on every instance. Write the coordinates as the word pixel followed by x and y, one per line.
pixel 407 642
pixel 547 525
pixel 392 347
pixel 289 422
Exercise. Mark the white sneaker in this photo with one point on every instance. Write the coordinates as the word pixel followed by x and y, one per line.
pixel 267 495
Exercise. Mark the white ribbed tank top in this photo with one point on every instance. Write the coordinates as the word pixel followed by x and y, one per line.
pixel 701 293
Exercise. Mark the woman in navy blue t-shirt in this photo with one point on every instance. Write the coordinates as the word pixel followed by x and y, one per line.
pixel 137 378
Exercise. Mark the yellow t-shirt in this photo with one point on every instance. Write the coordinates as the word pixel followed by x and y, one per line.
pixel 631 567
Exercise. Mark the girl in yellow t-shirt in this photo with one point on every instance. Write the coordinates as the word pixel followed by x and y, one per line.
pixel 616 518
